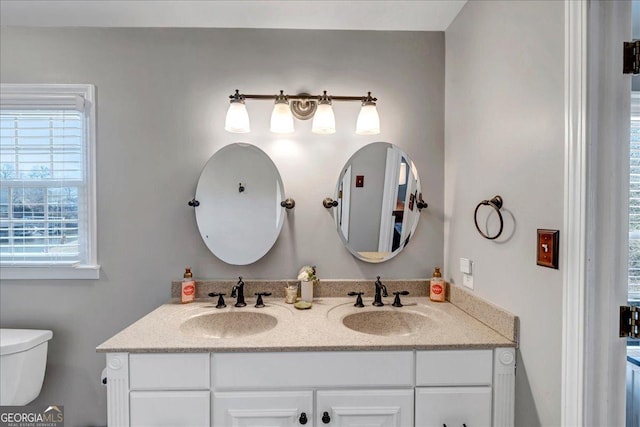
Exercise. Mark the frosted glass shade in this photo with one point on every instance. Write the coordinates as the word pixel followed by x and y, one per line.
pixel 324 121
pixel 237 120
pixel 368 120
pixel 281 118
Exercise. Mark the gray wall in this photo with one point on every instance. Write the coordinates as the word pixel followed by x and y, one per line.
pixel 504 135
pixel 162 99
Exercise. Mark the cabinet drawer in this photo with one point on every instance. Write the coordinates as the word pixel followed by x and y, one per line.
pixel 263 408
pixel 170 408
pixel 241 371
pixel 455 367
pixel 172 371
pixel 453 406
pixel 389 408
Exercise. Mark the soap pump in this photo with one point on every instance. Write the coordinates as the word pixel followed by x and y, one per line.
pixel 188 289
pixel 437 286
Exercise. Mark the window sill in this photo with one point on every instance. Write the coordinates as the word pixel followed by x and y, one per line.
pixel 82 272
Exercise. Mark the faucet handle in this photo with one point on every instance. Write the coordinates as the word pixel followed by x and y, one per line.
pixel 259 303
pixel 221 303
pixel 358 300
pixel 396 300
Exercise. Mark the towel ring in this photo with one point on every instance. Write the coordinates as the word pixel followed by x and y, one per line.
pixel 496 204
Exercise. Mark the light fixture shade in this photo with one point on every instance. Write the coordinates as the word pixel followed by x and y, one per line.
pixel 237 120
pixel 324 121
pixel 368 120
pixel 281 118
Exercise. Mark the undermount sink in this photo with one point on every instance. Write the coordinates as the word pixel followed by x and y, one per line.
pixel 386 323
pixel 228 324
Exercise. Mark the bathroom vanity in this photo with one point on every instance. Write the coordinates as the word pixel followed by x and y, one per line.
pixel 423 364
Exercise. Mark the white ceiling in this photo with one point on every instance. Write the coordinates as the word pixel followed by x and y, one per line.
pixel 383 15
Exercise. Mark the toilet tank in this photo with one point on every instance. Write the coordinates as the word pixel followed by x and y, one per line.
pixel 23 360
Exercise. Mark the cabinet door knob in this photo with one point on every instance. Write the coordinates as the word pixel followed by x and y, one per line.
pixel 326 418
pixel 303 418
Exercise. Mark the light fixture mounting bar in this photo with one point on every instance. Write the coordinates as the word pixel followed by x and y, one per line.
pixel 255 96
pixel 304 97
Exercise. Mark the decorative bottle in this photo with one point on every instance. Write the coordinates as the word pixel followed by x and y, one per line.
pixel 437 286
pixel 188 293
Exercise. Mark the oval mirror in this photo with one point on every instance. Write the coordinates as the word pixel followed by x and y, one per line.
pixel 239 215
pixel 377 192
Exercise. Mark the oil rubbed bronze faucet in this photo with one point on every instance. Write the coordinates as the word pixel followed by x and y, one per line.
pixel 238 290
pixel 377 300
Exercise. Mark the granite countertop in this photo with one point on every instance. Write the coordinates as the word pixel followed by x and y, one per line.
pixel 320 328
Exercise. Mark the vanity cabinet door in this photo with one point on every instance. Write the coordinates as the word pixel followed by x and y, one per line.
pixel 264 408
pixel 375 408
pixel 169 408
pixel 453 406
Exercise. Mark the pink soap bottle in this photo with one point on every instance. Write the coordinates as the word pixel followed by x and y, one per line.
pixel 436 286
pixel 188 292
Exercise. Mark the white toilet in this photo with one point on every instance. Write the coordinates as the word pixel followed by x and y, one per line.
pixel 23 359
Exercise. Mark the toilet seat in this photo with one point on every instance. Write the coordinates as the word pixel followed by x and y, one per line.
pixel 16 340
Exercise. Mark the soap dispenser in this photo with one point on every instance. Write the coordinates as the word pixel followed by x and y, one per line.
pixel 188 292
pixel 437 286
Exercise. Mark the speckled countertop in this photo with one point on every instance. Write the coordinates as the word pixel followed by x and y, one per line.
pixel 175 327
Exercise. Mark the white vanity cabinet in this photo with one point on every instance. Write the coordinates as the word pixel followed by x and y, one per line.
pixel 353 388
pixel 453 388
pixel 334 389
pixel 163 389
pixel 469 388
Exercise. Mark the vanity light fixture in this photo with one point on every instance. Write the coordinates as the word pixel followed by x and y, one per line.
pixel 303 106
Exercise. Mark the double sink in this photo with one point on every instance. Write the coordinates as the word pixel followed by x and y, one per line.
pixel 381 321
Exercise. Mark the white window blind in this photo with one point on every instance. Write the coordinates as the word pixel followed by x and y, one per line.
pixel 47 187
pixel 634 200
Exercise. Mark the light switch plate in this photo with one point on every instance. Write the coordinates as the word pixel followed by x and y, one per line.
pixel 547 248
pixel 465 265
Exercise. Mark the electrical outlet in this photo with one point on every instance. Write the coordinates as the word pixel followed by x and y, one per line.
pixel 465 265
pixel 547 248
pixel 467 280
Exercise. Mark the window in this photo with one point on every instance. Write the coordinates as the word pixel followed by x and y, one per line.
pixel 634 200
pixel 47 182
